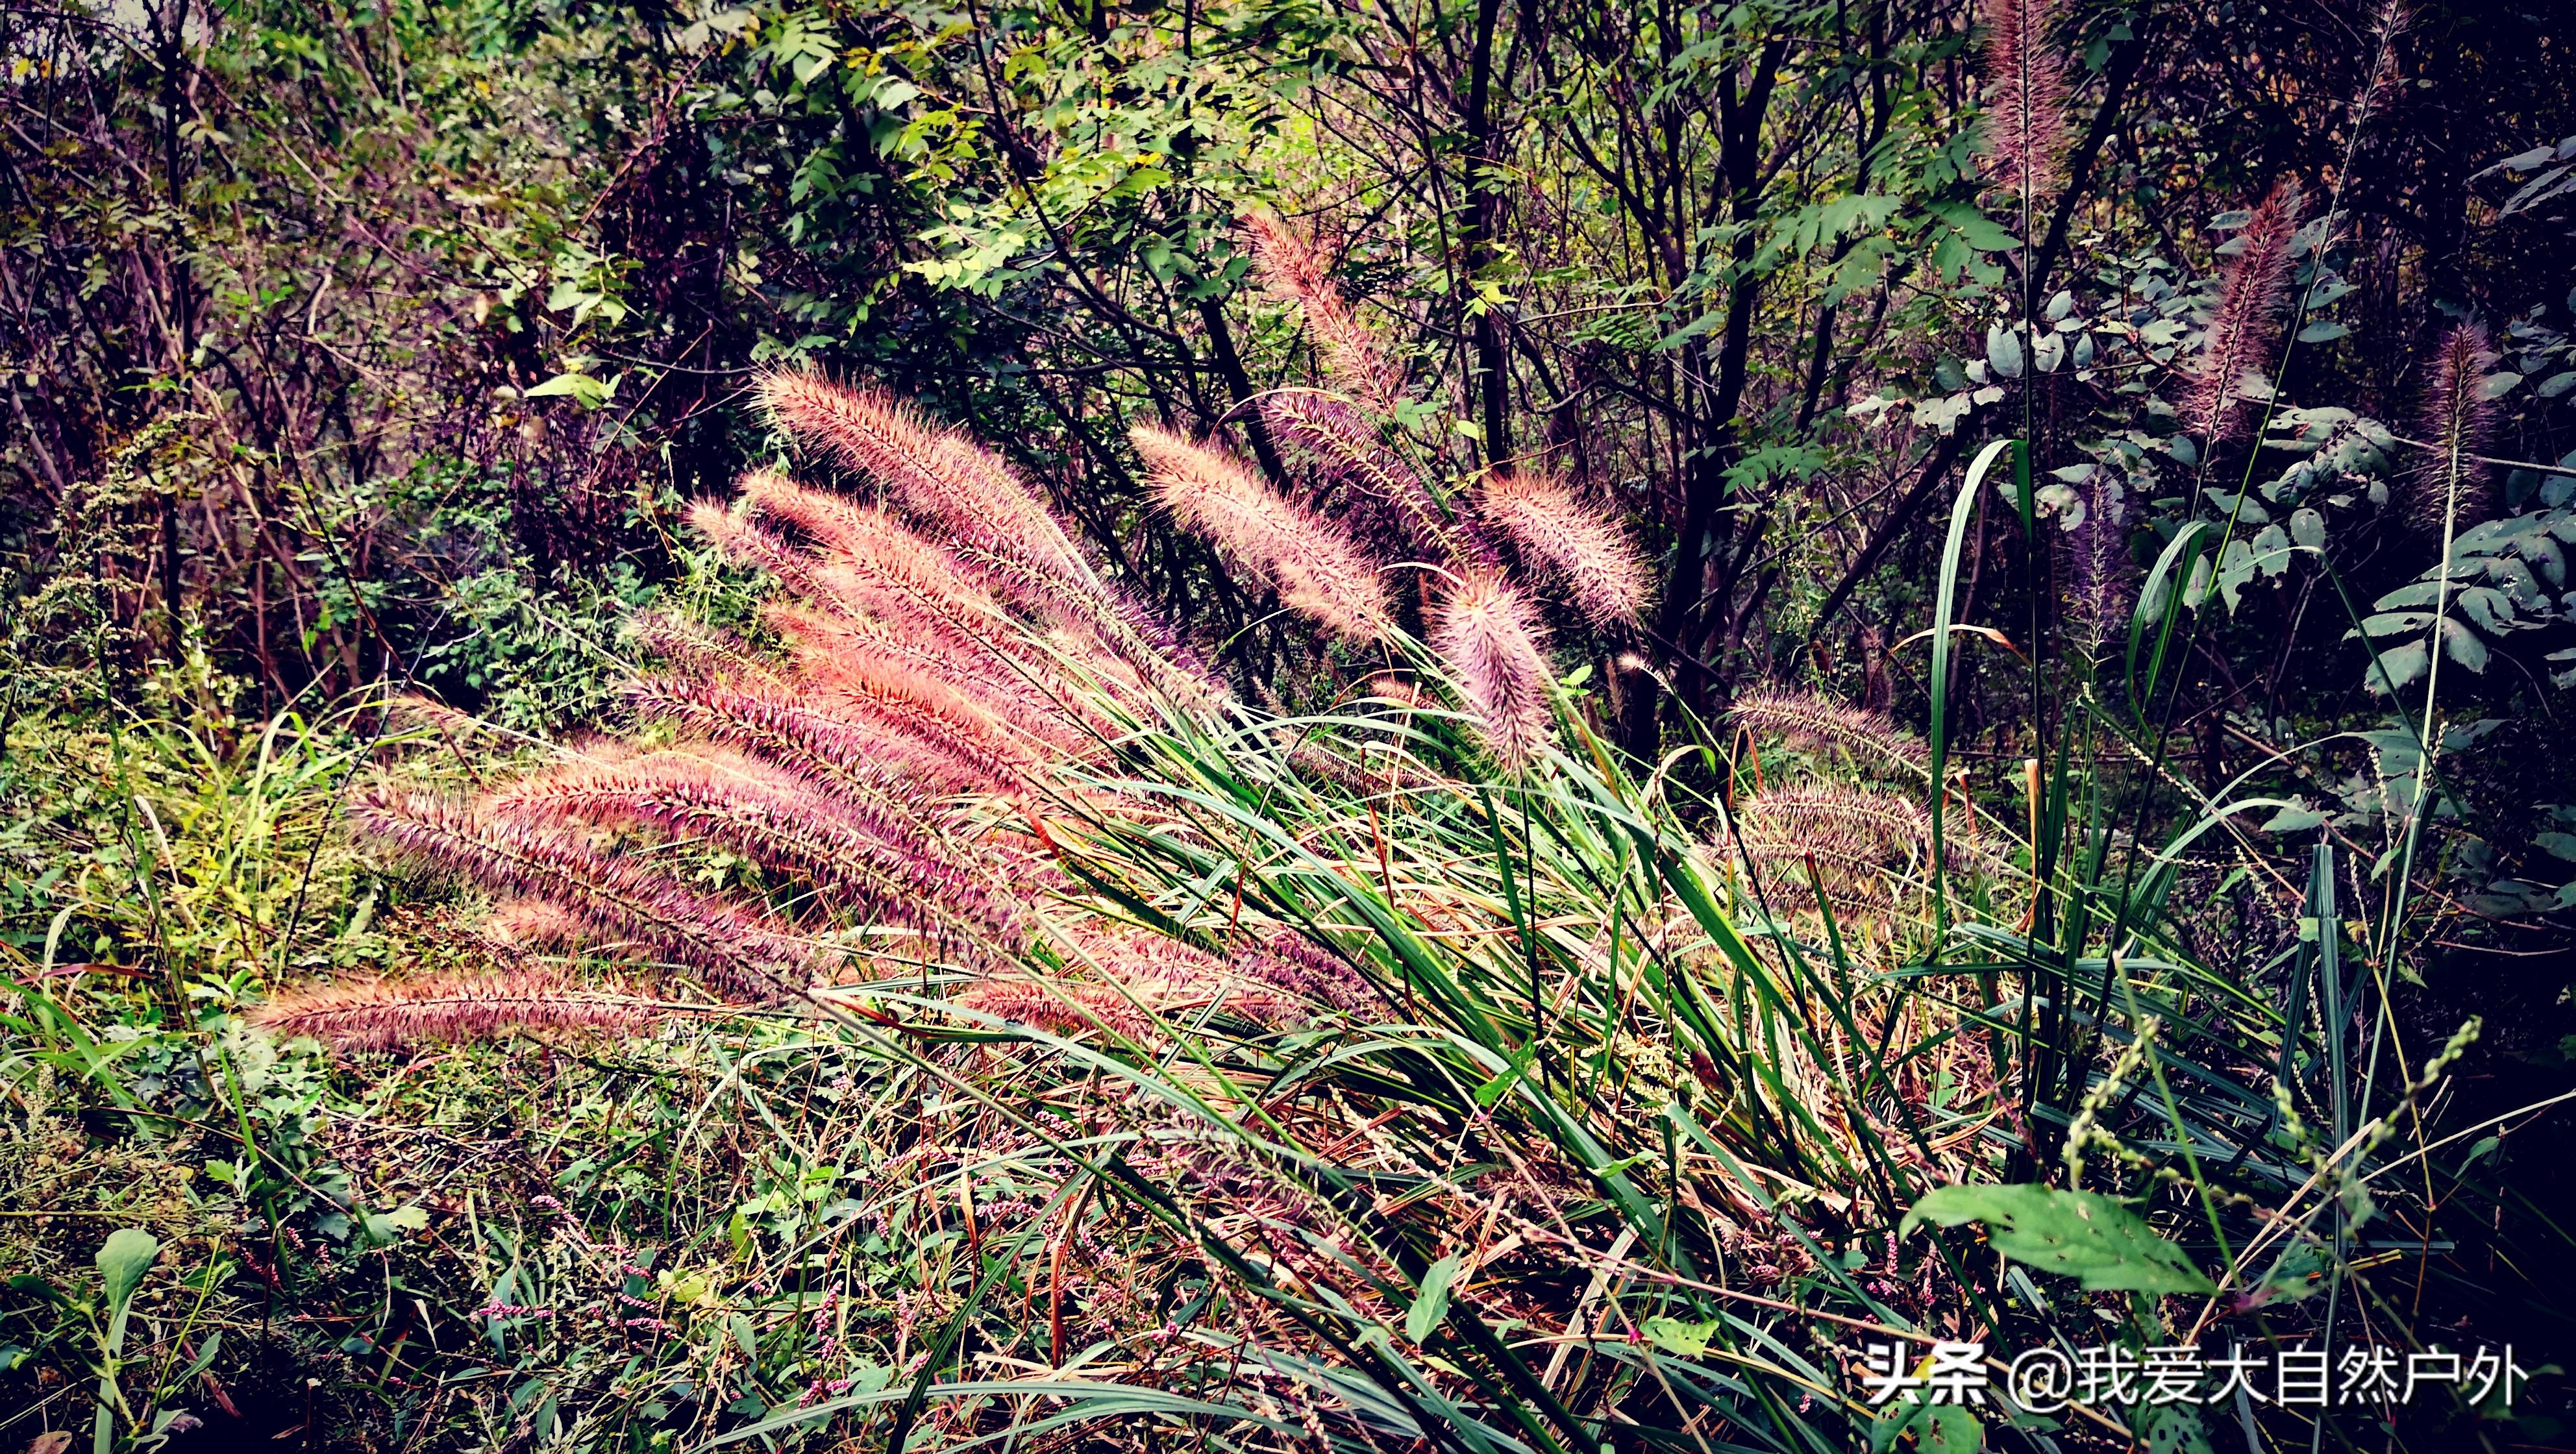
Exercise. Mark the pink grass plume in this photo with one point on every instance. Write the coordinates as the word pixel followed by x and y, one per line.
pixel 2025 95
pixel 1489 636
pixel 2447 489
pixel 1317 571
pixel 1576 542
pixel 742 949
pixel 389 1014
pixel 1297 271
pixel 2244 325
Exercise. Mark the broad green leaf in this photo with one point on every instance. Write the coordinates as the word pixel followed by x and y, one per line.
pixel 1974 227
pixel 2003 352
pixel 1432 1303
pixel 2297 1273
pixel 2172 1428
pixel 1937 1429
pixel 2462 644
pixel 121 1265
pixel 2245 509
pixel 2235 568
pixel 2089 1237
pixel 1687 1340
pixel 2272 550
pixel 582 389
pixel 385 1226
pixel 2293 820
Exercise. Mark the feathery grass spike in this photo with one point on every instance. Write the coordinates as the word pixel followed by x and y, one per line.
pixel 2025 94
pixel 1317 571
pixel 2242 327
pixel 1817 723
pixel 2448 486
pixel 390 1014
pixel 1578 543
pixel 1298 272
pixel 737 946
pixel 1490 640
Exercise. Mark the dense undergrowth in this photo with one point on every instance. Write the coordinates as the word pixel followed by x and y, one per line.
pixel 1598 1120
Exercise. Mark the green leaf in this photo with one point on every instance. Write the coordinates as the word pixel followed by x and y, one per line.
pixel 2463 644
pixel 2496 386
pixel 582 389
pixel 2272 550
pixel 2003 352
pixel 122 1262
pixel 205 1358
pixel 1954 1431
pixel 1937 1429
pixel 2294 1275
pixel 382 1227
pixel 2293 820
pixel 1687 1340
pixel 1492 1091
pixel 2322 331
pixel 1432 1303
pixel 1688 331
pixel 2172 1428
pixel 2235 568
pixel 1974 227
pixel 2091 1238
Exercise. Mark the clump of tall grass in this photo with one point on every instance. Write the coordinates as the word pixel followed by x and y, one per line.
pixel 1419 1068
